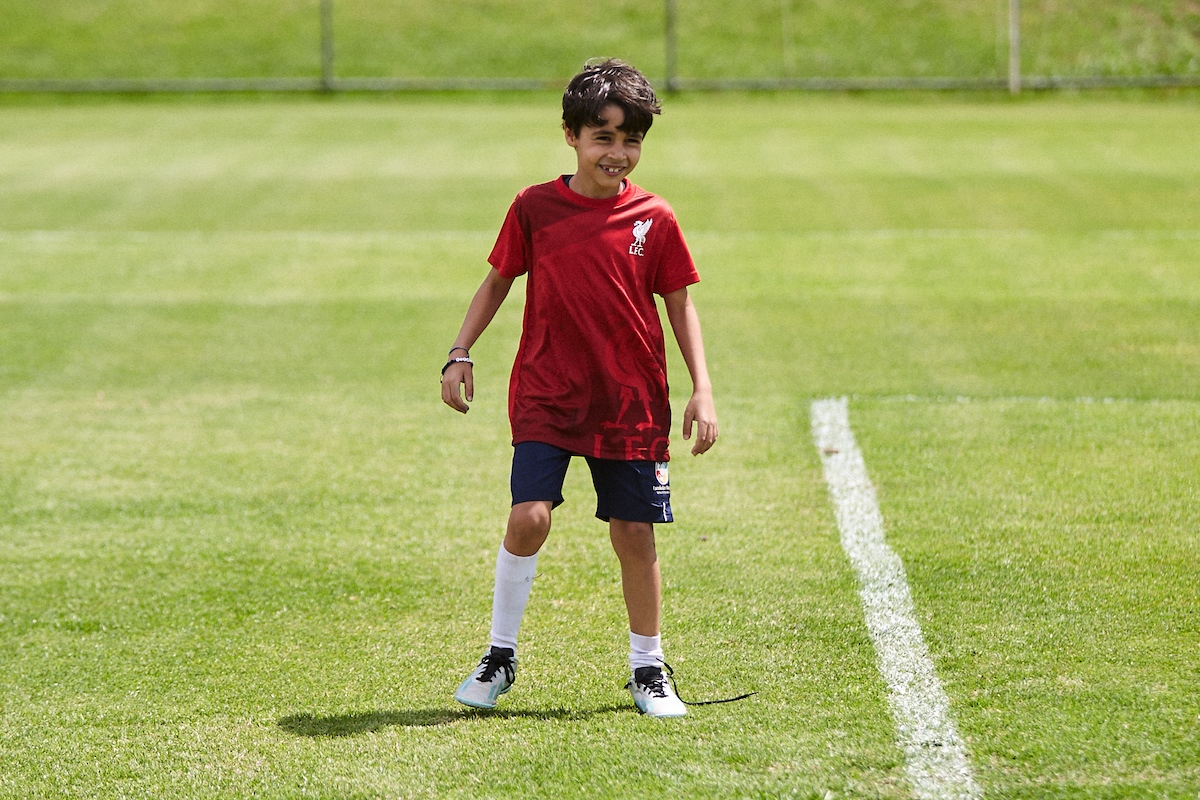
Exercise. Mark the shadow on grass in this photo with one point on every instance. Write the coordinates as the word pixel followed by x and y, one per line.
pixel 316 726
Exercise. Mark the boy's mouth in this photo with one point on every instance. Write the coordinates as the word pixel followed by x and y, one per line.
pixel 611 170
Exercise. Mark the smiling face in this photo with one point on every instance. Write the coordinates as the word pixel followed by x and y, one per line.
pixel 605 155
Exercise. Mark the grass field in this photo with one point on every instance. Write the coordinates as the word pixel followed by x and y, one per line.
pixel 247 552
pixel 84 39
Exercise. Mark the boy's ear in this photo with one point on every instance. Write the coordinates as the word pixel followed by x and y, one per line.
pixel 570 136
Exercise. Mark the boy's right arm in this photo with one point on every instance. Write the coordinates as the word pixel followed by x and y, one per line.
pixel 459 376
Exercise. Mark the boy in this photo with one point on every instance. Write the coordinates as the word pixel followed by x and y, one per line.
pixel 590 373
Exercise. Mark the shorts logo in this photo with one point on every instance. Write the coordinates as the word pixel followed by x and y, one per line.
pixel 640 229
pixel 660 473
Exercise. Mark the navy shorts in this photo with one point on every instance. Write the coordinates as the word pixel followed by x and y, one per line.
pixel 633 491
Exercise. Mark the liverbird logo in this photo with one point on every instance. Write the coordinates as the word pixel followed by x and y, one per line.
pixel 640 229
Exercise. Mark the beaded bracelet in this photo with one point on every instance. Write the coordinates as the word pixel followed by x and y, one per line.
pixel 456 361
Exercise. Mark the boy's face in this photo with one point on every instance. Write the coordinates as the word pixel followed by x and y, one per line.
pixel 605 155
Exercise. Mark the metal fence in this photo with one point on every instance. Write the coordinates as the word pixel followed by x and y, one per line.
pixel 687 45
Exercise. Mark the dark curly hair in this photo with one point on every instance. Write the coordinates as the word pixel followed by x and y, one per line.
pixel 609 81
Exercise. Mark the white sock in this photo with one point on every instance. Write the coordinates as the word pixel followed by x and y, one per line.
pixel 514 580
pixel 644 651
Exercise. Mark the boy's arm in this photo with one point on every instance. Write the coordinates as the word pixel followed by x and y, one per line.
pixel 484 304
pixel 700 409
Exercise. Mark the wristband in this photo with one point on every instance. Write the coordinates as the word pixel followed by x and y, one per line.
pixel 459 347
pixel 456 361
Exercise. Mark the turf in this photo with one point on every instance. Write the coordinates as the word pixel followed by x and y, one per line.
pixel 248 553
pixel 1060 538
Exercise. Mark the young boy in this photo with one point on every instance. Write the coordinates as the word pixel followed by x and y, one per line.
pixel 590 373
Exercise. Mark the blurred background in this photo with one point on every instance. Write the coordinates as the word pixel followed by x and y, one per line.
pixel 386 44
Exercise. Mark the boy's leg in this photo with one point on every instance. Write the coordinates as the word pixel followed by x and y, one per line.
pixel 516 564
pixel 641 581
pixel 631 496
pixel 528 527
pixel 537 471
pixel 642 584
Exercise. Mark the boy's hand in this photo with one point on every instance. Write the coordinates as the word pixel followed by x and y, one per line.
pixel 458 376
pixel 701 411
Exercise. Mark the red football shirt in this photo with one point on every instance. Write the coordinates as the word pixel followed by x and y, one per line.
pixel 591 372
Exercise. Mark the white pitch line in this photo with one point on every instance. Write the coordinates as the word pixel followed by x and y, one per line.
pixel 935 757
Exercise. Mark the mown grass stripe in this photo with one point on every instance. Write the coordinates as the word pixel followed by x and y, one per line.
pixel 369 235
pixel 70 235
pixel 935 757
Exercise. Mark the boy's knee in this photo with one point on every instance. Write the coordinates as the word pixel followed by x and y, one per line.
pixel 632 539
pixel 534 515
pixel 528 527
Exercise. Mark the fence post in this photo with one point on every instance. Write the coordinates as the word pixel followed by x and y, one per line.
pixel 327 45
pixel 787 37
pixel 1014 46
pixel 670 43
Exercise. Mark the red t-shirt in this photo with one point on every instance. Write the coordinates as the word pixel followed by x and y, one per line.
pixel 591 371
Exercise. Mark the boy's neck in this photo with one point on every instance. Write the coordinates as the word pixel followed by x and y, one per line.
pixel 568 178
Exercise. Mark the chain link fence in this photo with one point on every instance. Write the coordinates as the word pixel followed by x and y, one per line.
pixel 390 45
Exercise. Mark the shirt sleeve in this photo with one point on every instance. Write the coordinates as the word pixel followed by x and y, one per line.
pixel 676 269
pixel 510 255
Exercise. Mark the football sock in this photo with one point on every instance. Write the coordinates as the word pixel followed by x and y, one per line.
pixel 514 580
pixel 644 651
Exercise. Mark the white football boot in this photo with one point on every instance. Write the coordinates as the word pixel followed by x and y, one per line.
pixel 495 675
pixel 653 694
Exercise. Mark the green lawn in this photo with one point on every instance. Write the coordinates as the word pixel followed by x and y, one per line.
pixel 1057 542
pixel 247 552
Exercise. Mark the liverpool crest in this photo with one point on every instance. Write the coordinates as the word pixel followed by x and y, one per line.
pixel 640 229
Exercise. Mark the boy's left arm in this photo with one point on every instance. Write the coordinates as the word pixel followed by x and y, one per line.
pixel 701 411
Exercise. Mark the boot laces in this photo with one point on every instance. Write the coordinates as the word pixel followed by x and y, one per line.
pixel 655 681
pixel 652 680
pixel 493 662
